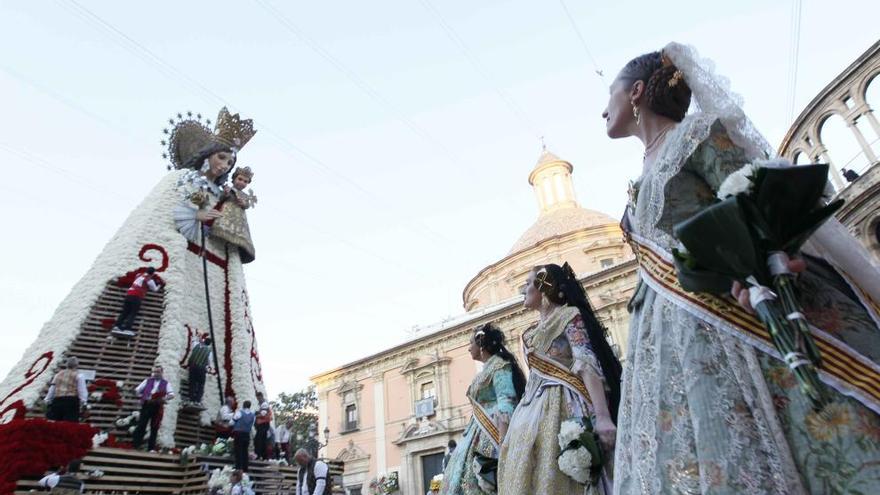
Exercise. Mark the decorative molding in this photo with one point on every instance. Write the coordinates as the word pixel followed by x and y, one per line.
pixel 350 453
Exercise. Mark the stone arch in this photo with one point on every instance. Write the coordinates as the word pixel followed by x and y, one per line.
pixel 871 235
pixel 842 147
pixel 867 84
pixel 800 157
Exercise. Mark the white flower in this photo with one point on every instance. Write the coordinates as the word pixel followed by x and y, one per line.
pixel 96 396
pixel 95 474
pixel 737 182
pixel 119 383
pixel 98 439
pixel 576 464
pixel 220 478
pixel 569 430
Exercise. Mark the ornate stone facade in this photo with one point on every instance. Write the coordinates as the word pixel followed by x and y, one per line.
pixel 397 409
pixel 846 97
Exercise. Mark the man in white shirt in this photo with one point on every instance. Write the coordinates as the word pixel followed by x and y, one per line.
pixel 64 483
pixel 225 418
pixel 282 437
pixel 313 475
pixel 67 394
pixel 153 393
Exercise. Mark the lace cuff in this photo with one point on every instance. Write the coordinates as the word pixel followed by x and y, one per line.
pixel 186 222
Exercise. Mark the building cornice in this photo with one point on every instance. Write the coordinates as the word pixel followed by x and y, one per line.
pixel 398 355
pixel 524 254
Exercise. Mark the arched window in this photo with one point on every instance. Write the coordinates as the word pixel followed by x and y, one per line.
pixel 843 148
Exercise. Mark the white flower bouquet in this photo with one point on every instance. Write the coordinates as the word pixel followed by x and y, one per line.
pixel 384 484
pixel 123 423
pixel 581 456
pixel 99 438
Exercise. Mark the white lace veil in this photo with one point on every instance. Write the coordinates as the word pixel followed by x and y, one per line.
pixel 711 94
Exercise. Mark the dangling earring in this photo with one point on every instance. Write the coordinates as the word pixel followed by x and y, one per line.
pixel 636 113
pixel 205 166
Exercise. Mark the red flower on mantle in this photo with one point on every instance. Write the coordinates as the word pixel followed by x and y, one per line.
pixel 109 389
pixel 29 447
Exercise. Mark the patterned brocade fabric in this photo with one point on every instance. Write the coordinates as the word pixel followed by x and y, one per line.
pixel 528 461
pixel 703 413
pixel 493 389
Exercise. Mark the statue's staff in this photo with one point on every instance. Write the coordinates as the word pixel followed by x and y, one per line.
pixel 204 256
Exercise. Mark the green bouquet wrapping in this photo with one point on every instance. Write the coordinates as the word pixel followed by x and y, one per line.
pixel 763 217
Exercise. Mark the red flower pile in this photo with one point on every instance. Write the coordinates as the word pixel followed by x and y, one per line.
pixel 109 389
pixel 113 442
pixel 29 447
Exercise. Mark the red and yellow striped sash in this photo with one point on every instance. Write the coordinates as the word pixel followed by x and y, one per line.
pixel 486 423
pixel 554 371
pixel 849 372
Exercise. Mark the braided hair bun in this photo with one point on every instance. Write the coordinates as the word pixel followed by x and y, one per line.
pixel 666 91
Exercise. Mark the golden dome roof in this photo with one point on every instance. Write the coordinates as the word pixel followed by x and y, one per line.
pixel 557 223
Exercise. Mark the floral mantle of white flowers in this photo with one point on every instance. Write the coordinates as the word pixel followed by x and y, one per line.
pixel 151 222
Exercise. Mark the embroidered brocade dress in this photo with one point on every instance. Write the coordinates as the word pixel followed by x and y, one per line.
pixel 702 411
pixel 233 226
pixel 528 463
pixel 493 389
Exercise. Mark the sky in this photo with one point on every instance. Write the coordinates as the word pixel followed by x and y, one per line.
pixel 394 139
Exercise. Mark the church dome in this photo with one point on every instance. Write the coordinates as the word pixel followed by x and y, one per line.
pixel 588 240
pixel 557 223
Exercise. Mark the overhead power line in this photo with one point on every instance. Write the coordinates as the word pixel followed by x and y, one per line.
pixel 511 104
pixel 145 54
pixel 583 41
pixel 358 81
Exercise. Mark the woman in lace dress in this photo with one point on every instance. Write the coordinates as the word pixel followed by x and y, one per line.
pixel 495 391
pixel 572 374
pixel 702 409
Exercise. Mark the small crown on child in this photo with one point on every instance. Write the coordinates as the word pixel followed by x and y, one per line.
pixel 245 171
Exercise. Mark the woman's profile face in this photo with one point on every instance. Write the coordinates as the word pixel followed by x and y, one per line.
pixel 533 295
pixel 474 349
pixel 618 113
pixel 220 162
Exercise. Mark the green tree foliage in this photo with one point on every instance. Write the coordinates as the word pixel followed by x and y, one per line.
pixel 302 408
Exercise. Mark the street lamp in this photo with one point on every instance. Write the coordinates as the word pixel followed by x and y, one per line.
pixel 313 434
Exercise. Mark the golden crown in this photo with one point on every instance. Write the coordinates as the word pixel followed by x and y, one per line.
pixel 188 135
pixel 232 131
